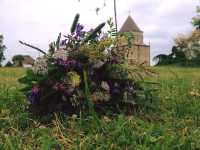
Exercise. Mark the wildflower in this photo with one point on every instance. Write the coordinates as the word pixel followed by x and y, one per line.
pixel 105 86
pixel 73 79
pixel 115 89
pixel 40 66
pixel 63 42
pixel 34 95
pixel 78 66
pixel 97 64
pixel 74 116
pixel 66 63
pixel 114 60
pixel 59 87
pixel 61 54
pixel 107 119
pixel 100 96
pixel 194 93
pixel 79 32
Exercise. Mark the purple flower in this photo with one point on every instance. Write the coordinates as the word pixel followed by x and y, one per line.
pixel 79 27
pixel 115 91
pixel 79 31
pixel 114 61
pixel 70 63
pixel 34 95
pixel 59 87
pixel 35 89
pixel 63 42
pixel 79 66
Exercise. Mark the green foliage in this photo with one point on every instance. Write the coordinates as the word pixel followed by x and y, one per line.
pixel 58 41
pixel 2 49
pixel 186 51
pixel 176 57
pixel 8 64
pixel 75 22
pixel 174 124
pixel 196 20
pixel 91 36
pixel 18 60
pixel 129 37
pixel 113 31
pixel 181 55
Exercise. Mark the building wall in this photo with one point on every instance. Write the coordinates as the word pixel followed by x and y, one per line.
pixel 139 54
pixel 27 65
pixel 138 37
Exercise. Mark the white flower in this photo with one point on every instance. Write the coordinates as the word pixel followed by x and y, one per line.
pixel 100 96
pixel 40 66
pixel 61 54
pixel 105 86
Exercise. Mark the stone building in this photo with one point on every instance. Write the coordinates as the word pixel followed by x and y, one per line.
pixel 25 61
pixel 28 61
pixel 139 52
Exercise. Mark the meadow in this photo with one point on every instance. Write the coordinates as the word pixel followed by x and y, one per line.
pixel 172 123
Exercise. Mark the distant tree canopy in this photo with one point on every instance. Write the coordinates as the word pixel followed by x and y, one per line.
pixel 21 60
pixel 8 64
pixel 18 60
pixel 175 57
pixel 2 49
pixel 186 50
pixel 196 20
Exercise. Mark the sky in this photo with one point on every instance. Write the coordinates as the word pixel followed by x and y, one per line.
pixel 38 22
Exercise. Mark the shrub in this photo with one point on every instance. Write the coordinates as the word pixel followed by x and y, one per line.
pixel 8 64
pixel 82 71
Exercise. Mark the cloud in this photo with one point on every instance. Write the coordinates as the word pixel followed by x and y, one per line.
pixel 39 21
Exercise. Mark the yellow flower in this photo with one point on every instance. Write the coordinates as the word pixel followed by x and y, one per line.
pixel 73 79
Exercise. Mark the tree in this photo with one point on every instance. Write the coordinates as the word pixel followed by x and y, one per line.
pixel 18 60
pixel 8 64
pixel 189 44
pixel 187 47
pixel 2 49
pixel 175 57
pixel 196 20
pixel 186 51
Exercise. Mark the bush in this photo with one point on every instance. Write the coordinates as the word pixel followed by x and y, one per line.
pixel 8 64
pixel 82 71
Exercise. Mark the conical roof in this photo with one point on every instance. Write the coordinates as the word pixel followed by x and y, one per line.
pixel 130 26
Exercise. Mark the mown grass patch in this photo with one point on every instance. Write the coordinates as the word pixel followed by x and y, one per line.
pixel 173 124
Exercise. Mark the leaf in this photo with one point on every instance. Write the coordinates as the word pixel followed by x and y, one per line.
pixel 27 88
pixel 58 41
pixel 94 33
pixel 75 22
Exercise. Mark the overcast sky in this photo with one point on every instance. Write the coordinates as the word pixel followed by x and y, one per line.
pixel 39 21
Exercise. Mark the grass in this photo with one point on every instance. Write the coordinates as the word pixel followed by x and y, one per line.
pixel 173 124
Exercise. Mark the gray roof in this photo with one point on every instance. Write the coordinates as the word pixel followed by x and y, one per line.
pixel 130 26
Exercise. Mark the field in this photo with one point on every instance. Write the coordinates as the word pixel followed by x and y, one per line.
pixel 173 123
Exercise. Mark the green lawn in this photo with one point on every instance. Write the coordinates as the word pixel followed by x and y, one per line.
pixel 173 124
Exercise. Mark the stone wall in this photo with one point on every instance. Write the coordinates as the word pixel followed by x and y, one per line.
pixel 139 54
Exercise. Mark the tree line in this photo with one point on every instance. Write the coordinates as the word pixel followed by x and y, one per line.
pixel 186 51
pixel 17 60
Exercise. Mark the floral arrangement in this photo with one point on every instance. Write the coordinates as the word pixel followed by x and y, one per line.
pixel 82 70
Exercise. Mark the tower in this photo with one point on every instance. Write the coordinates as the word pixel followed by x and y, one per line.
pixel 139 52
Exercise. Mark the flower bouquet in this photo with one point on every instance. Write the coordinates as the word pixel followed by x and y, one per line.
pixel 81 71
